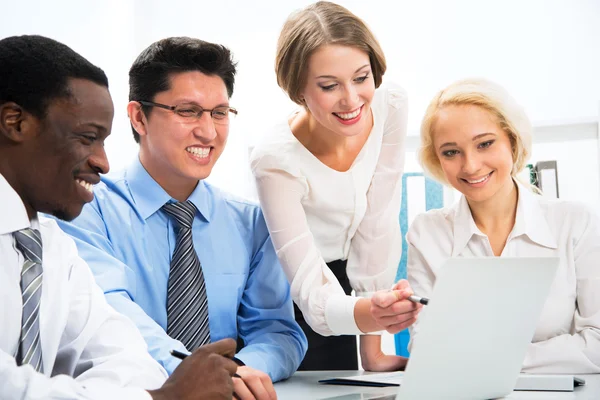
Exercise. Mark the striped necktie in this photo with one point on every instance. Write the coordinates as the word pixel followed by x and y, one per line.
pixel 187 303
pixel 29 243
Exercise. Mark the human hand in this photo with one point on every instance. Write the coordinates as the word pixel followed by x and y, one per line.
pixel 253 385
pixel 205 374
pixel 392 310
pixel 383 362
pixel 373 359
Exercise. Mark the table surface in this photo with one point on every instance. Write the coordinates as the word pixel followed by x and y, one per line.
pixel 304 385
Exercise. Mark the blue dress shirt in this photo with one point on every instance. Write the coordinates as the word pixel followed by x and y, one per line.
pixel 128 241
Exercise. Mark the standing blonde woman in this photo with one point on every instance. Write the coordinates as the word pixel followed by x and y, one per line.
pixel 329 180
pixel 476 138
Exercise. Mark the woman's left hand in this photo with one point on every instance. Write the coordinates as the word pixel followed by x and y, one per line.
pixel 373 359
pixel 383 362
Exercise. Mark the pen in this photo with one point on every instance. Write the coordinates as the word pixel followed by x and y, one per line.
pixel 417 299
pixel 181 356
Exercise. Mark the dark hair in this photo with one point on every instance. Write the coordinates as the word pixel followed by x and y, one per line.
pixel 34 70
pixel 152 69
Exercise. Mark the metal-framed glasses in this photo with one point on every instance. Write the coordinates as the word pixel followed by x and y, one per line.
pixel 220 115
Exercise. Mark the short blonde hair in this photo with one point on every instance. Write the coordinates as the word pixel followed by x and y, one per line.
pixel 490 96
pixel 308 29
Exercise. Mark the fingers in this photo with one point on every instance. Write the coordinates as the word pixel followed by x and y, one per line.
pixel 400 291
pixel 257 383
pixel 396 308
pixel 397 318
pixel 399 322
pixel 398 315
pixel 224 347
pixel 218 357
pixel 268 385
pixel 384 299
pixel 241 390
pixel 400 326
pixel 229 365
pixel 403 285
pixel 220 353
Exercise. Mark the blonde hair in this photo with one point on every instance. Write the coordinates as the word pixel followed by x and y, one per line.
pixel 490 96
pixel 308 29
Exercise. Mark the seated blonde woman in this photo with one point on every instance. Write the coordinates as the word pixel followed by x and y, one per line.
pixel 476 138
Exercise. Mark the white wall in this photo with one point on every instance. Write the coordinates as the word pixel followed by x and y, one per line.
pixel 544 52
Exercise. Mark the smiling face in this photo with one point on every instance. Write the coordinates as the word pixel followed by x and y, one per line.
pixel 177 152
pixel 475 154
pixel 339 89
pixel 63 154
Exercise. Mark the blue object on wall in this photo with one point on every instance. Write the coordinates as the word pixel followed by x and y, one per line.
pixel 434 198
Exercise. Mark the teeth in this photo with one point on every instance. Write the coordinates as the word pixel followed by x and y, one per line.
pixel 348 115
pixel 201 152
pixel 479 180
pixel 86 185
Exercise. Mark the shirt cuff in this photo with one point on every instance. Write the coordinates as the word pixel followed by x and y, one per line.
pixel 364 294
pixel 252 358
pixel 339 315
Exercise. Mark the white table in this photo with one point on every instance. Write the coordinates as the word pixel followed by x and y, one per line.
pixel 305 386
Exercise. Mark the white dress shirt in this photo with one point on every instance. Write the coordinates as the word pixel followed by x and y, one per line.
pixel 89 351
pixel 567 337
pixel 316 214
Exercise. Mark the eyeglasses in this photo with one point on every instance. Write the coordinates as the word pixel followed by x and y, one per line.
pixel 220 115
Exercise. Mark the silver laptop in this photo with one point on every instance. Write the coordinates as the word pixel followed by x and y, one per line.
pixel 473 335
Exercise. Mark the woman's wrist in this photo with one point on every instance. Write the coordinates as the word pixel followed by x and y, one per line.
pixel 374 359
pixel 370 350
pixel 363 318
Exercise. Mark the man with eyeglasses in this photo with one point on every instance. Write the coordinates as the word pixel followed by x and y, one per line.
pixel 186 262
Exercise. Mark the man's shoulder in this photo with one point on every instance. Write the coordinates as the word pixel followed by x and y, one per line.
pixel 111 193
pixel 234 202
pixel 244 211
pixel 53 236
pixel 112 184
pixel 111 205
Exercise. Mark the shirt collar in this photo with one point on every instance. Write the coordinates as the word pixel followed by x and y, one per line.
pixel 13 215
pixel 529 221
pixel 464 226
pixel 149 196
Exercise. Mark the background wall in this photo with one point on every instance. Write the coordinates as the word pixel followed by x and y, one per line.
pixel 545 52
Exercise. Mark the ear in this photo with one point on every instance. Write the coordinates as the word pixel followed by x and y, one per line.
pixel 137 117
pixel 14 122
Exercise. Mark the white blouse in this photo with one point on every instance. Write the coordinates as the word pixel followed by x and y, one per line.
pixel 316 214
pixel 567 337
